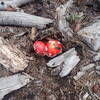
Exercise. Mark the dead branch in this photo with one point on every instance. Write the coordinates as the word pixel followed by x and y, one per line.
pixel 4 4
pixel 11 57
pixel 23 19
pixel 62 12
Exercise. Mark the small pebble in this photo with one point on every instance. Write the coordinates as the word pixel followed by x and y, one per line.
pixel 51 97
pixel 96 88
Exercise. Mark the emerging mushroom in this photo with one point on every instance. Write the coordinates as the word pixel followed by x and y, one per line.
pixel 53 47
pixel 39 48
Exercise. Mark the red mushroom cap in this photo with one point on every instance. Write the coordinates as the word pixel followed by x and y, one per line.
pixel 39 48
pixel 53 47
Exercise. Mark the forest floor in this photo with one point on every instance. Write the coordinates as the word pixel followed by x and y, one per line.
pixel 47 86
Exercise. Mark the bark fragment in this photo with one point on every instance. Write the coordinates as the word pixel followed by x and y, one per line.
pixel 11 57
pixel 91 35
pixel 11 83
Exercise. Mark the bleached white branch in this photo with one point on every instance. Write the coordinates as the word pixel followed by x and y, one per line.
pixel 23 19
pixel 62 12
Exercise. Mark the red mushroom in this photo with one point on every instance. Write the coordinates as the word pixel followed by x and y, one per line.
pixel 39 48
pixel 53 47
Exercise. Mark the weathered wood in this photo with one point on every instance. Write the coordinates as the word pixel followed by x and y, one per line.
pixel 11 83
pixel 11 57
pixel 91 35
pixel 97 70
pixel 69 60
pixel 4 4
pixel 62 13
pixel 23 19
pixel 97 56
pixel 83 71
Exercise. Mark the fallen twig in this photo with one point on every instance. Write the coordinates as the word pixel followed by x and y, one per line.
pixel 83 71
pixel 90 93
pixel 20 34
